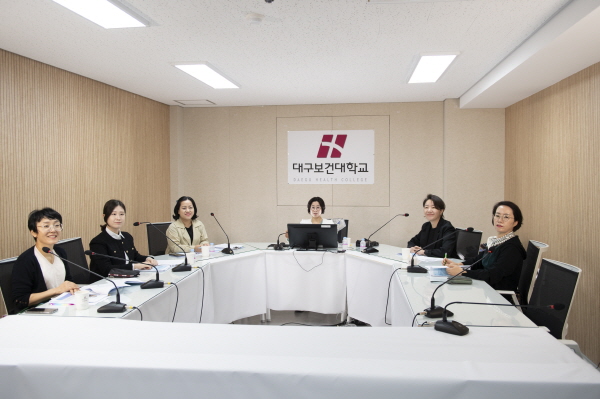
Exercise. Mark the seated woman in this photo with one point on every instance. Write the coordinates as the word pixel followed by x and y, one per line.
pixel 434 229
pixel 114 242
pixel 37 276
pixel 316 207
pixel 499 266
pixel 187 231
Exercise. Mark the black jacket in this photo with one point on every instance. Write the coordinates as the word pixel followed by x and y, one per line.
pixel 439 249
pixel 103 243
pixel 501 268
pixel 27 277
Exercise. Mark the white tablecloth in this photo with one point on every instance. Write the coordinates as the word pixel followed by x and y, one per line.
pixel 43 357
pixel 303 280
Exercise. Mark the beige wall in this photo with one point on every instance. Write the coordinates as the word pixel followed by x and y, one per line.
pixel 232 161
pixel 72 143
pixel 552 172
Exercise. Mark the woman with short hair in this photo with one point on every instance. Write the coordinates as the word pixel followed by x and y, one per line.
pixel 499 266
pixel 186 231
pixel 37 276
pixel 436 228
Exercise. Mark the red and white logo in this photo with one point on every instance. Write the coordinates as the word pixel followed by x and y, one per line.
pixel 331 148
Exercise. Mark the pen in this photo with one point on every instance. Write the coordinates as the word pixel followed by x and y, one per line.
pixel 445 257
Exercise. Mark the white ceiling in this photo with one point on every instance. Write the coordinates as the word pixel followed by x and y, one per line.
pixel 317 51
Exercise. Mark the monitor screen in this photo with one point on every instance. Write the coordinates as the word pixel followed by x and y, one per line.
pixel 312 236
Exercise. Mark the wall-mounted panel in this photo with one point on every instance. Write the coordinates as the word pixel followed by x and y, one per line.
pixel 552 146
pixel 72 143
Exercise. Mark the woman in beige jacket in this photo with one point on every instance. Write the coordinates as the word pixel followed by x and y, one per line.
pixel 187 231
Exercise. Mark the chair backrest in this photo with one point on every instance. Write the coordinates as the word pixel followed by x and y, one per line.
pixel 531 265
pixel 76 254
pixel 467 243
pixel 343 232
pixel 6 268
pixel 555 284
pixel 157 242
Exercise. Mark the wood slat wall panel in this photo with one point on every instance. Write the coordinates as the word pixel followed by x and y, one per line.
pixel 73 143
pixel 552 172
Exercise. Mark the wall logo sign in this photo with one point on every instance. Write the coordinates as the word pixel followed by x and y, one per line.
pixel 330 147
pixel 331 157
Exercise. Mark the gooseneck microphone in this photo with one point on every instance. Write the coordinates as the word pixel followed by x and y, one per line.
pixel 148 284
pixel 112 307
pixel 456 328
pixel 278 246
pixel 183 267
pixel 419 269
pixel 371 244
pixel 435 312
pixel 227 250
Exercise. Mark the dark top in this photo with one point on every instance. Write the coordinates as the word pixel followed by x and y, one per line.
pixel 441 248
pixel 190 231
pixel 501 269
pixel 27 276
pixel 103 243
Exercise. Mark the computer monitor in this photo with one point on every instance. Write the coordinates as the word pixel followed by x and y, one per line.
pixel 312 236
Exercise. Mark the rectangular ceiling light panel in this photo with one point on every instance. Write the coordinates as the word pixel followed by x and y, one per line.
pixel 208 75
pixel 104 13
pixel 431 67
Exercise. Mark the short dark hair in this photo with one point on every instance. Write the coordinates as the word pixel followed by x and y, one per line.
pixel 178 205
pixel 319 200
pixel 109 207
pixel 37 215
pixel 438 203
pixel 516 212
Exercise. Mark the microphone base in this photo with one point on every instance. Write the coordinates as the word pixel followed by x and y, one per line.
pixel 112 307
pixel 182 268
pixel 227 251
pixel 437 312
pixel 152 284
pixel 416 269
pixel 451 327
pixel 370 250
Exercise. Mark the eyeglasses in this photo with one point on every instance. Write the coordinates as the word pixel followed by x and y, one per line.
pixel 47 227
pixel 504 217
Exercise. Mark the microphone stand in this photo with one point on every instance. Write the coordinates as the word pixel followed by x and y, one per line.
pixel 227 250
pixel 148 284
pixel 371 244
pixel 278 246
pixel 435 312
pixel 183 267
pixel 456 328
pixel 112 307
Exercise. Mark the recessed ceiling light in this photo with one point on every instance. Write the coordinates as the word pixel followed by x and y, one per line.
pixel 207 74
pixel 431 66
pixel 109 14
pixel 192 103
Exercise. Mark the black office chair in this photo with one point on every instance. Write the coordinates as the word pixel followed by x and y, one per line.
pixel 467 243
pixel 556 283
pixel 157 243
pixel 6 268
pixel 531 265
pixel 76 254
pixel 343 232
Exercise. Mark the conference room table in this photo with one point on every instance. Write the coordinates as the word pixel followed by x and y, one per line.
pixel 54 357
pixel 374 288
pixel 99 355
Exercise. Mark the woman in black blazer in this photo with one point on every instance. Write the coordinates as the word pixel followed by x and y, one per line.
pixel 434 229
pixel 499 266
pixel 37 276
pixel 114 242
